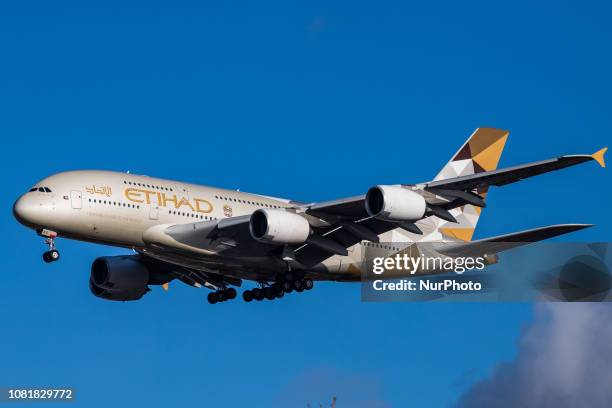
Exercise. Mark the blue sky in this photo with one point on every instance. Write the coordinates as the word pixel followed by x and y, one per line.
pixel 307 101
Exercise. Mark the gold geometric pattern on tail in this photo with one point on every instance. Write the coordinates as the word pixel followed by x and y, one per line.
pixel 481 152
pixel 487 154
pixel 462 234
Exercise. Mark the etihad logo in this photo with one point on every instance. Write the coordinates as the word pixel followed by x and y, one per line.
pixel 137 195
pixel 105 190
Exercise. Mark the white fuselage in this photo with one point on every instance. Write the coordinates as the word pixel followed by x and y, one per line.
pixel 122 209
pixel 117 208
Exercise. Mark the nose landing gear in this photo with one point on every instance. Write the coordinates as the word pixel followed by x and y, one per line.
pixel 52 254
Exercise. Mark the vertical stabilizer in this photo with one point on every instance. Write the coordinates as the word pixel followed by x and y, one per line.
pixel 481 152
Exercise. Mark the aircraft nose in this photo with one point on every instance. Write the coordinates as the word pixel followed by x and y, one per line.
pixel 24 210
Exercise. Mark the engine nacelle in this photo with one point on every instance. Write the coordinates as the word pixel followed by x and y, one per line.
pixel 119 272
pixel 117 294
pixel 395 203
pixel 278 226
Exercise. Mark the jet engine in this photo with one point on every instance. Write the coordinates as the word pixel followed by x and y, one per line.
pixel 117 294
pixel 395 203
pixel 278 226
pixel 119 277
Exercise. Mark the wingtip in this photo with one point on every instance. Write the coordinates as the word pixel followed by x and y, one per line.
pixel 586 225
pixel 578 227
pixel 598 156
pixel 166 286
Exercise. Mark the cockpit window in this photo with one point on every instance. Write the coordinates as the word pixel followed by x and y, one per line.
pixel 41 189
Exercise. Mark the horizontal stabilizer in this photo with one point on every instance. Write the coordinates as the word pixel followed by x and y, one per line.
pixel 508 241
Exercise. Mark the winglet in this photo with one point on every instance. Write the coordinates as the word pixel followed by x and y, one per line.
pixel 598 156
pixel 165 286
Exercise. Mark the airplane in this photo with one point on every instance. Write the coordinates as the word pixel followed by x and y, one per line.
pixel 217 238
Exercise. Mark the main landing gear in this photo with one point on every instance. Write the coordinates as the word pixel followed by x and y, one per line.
pixel 221 295
pixel 52 254
pixel 277 290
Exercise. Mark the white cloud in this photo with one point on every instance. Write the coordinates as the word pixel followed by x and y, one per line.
pixel 564 360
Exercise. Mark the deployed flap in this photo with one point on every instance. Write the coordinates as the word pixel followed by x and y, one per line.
pixel 504 242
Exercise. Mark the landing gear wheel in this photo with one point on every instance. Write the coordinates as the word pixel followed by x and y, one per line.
pixel 269 293
pixel 230 293
pixel 54 255
pixel 288 287
pixel 280 294
pixel 298 286
pixel 278 289
pixel 258 294
pixel 212 298
pixel 51 256
pixel 308 283
pixel 247 295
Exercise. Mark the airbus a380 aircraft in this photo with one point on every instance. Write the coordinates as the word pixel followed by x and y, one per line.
pixel 217 238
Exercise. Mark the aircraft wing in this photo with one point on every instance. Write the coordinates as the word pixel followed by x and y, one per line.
pixel 513 174
pixel 460 188
pixel 353 224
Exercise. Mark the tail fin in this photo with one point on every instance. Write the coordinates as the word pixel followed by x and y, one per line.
pixel 481 152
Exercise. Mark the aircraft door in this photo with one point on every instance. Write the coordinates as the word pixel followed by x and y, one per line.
pixel 76 200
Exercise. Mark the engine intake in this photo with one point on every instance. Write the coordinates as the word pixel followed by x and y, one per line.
pixel 278 226
pixel 395 203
